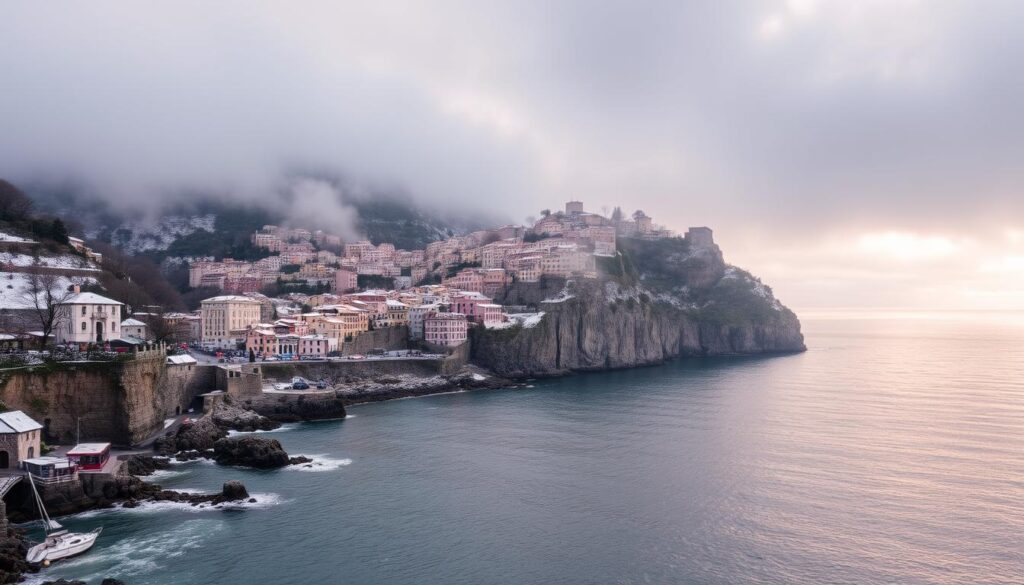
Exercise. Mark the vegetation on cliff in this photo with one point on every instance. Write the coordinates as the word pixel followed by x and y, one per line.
pixel 654 301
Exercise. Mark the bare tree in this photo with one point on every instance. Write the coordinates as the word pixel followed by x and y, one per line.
pixel 161 329
pixel 44 294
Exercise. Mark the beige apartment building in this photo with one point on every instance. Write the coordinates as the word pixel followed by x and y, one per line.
pixel 226 319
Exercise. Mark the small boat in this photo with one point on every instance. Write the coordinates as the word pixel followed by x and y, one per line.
pixel 59 543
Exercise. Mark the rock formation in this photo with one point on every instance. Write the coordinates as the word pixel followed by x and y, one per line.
pixel 656 301
pixel 250 452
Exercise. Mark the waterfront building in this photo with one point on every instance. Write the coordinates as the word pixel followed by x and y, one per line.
pixel 20 438
pixel 226 319
pixel 447 329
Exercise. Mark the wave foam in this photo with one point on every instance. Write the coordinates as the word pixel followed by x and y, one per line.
pixel 279 429
pixel 320 463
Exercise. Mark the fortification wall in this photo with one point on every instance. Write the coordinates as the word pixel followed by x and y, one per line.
pixel 339 371
pixel 120 402
pixel 387 338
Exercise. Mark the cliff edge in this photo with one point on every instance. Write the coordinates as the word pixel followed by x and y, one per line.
pixel 654 301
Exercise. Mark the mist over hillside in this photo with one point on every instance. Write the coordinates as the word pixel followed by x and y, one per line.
pixel 206 223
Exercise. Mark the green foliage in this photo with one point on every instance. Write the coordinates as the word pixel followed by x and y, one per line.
pixel 375 281
pixel 217 244
pixel 39 404
pixel 734 300
pixel 453 270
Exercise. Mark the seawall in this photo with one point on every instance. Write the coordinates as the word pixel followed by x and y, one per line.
pixel 123 402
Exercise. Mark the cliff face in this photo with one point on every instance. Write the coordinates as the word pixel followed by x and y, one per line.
pixel 121 402
pixel 650 306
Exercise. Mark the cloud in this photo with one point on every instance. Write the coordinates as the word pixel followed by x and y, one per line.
pixel 770 120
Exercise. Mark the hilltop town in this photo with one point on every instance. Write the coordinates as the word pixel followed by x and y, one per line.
pixel 438 293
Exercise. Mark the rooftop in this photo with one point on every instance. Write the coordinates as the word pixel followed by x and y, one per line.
pixel 17 421
pixel 88 448
pixel 88 298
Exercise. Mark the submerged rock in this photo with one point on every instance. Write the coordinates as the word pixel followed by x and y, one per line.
pixel 250 452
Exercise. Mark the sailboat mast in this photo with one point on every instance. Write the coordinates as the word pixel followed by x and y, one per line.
pixel 39 502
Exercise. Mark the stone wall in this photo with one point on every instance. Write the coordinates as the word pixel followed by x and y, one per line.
pixel 338 371
pixel 120 402
pixel 387 338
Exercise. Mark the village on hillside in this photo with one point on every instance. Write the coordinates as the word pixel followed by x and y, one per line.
pixel 314 294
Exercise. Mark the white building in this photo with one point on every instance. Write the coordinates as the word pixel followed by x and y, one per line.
pixel 88 318
pixel 226 320
pixel 417 316
pixel 134 328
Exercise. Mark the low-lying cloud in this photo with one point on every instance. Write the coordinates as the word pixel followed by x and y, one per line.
pixel 773 121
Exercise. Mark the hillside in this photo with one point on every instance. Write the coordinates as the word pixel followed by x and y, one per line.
pixel 208 226
pixel 656 300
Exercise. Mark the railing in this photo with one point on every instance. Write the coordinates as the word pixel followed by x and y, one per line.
pixel 56 479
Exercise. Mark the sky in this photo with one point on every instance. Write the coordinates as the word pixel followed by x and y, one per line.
pixel 852 153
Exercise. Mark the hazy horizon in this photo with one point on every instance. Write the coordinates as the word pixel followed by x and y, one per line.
pixel 859 155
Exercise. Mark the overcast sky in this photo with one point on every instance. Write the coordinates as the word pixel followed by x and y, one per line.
pixel 852 153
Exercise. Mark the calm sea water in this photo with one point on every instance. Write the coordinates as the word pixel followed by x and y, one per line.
pixel 891 452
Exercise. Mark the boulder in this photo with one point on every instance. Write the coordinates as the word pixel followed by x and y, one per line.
pixel 139 465
pixel 193 436
pixel 228 416
pixel 233 491
pixel 250 452
pixel 112 582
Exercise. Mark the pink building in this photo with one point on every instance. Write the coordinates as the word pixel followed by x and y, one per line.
pixel 447 329
pixel 474 306
pixel 345 281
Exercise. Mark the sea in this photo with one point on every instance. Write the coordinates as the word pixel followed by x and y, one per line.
pixel 891 452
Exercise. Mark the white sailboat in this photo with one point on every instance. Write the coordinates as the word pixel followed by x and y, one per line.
pixel 59 543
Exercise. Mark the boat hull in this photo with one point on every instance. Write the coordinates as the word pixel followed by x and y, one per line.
pixel 64 546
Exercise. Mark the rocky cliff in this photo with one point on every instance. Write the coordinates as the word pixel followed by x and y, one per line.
pixel 655 301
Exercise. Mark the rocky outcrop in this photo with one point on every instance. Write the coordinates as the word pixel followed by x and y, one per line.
pixel 323 405
pixel 77 582
pixel 228 416
pixel 142 465
pixel 361 390
pixel 13 549
pixel 199 435
pixel 254 452
pixel 657 301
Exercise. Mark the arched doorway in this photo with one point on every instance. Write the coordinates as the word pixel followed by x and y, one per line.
pixel 31 452
pixel 5 460
pixel 99 332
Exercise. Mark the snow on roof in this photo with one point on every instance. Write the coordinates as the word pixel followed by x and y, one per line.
pixel 88 448
pixel 396 304
pixel 230 299
pixel 180 360
pixel 57 462
pixel 132 323
pixel 16 421
pixel 88 298
pixel 489 305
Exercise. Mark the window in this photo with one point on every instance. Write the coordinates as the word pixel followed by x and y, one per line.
pixel 83 309
pixel 83 325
